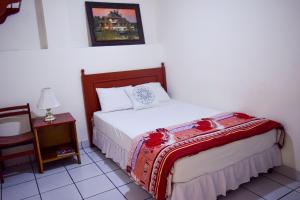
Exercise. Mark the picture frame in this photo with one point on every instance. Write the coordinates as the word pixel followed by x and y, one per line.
pixel 114 24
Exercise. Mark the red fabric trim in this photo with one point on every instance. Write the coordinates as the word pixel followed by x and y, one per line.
pixel 198 147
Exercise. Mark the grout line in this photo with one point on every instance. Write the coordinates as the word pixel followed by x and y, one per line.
pixel 76 162
pixel 32 168
pixel 57 188
pixel 100 193
pixel 251 190
pixel 281 173
pixel 30 197
pixel 286 194
pixel 108 177
pixel 93 159
pixel 74 183
pixel 119 185
pixel 81 165
pixel 286 176
pixel 88 178
pixel 80 145
pixel 51 174
pixel 89 151
pixel 78 166
pixel 111 170
pixel 18 183
pixel 275 181
pixel 88 154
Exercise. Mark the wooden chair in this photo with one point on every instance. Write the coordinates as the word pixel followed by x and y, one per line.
pixel 15 140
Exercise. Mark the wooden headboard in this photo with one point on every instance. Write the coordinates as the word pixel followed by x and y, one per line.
pixel 114 79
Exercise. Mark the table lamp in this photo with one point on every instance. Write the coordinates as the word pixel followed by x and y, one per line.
pixel 46 102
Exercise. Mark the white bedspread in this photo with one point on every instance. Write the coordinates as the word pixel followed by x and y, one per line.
pixel 122 127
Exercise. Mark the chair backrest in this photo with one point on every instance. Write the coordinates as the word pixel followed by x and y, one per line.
pixel 15 111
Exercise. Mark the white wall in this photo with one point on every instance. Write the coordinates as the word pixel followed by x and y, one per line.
pixel 237 55
pixel 20 31
pixel 25 68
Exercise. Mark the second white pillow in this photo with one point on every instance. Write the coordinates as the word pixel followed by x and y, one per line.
pixel 161 94
pixel 142 97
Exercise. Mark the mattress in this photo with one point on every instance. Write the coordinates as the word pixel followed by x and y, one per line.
pixel 122 127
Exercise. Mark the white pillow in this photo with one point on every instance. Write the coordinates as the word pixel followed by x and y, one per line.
pixel 113 99
pixel 159 91
pixel 142 96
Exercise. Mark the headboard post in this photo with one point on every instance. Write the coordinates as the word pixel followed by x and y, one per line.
pixel 114 79
pixel 163 70
pixel 88 113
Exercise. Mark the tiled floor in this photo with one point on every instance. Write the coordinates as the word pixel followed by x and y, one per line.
pixel 98 178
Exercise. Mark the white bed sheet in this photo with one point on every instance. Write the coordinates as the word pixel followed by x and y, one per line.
pixel 123 126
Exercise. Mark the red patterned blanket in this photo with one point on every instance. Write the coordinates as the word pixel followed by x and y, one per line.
pixel 154 153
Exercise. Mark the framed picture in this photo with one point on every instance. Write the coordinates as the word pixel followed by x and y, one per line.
pixel 114 23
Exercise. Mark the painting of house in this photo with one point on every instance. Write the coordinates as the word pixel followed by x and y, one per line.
pixel 114 23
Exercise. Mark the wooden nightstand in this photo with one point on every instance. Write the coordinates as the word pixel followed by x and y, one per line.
pixel 55 136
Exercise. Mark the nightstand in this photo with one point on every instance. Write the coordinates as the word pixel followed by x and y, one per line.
pixel 56 139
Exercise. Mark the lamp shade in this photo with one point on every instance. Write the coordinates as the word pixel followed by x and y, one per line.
pixel 47 99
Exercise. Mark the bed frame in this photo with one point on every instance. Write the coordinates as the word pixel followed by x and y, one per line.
pixel 114 79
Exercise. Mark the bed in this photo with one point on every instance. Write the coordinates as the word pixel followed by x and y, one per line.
pixel 202 176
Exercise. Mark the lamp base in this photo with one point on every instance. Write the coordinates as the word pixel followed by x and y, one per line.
pixel 49 116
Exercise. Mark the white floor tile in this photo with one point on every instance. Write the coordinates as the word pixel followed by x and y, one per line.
pixel 134 192
pixel 109 195
pixel 90 149
pixel 290 183
pixel 96 156
pixel 54 181
pixel 292 196
pixel 287 171
pixel 94 186
pixel 37 197
pixel 118 177
pixel 298 190
pixel 70 164
pixel 84 172
pixel 50 169
pixel 240 194
pixel 82 152
pixel 65 193
pixel 266 188
pixel 18 176
pixel 20 191
pixel 107 165
pixel 85 144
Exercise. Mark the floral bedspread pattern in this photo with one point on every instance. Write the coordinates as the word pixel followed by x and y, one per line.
pixel 154 153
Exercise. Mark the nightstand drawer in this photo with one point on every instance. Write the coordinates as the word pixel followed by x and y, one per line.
pixel 55 135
